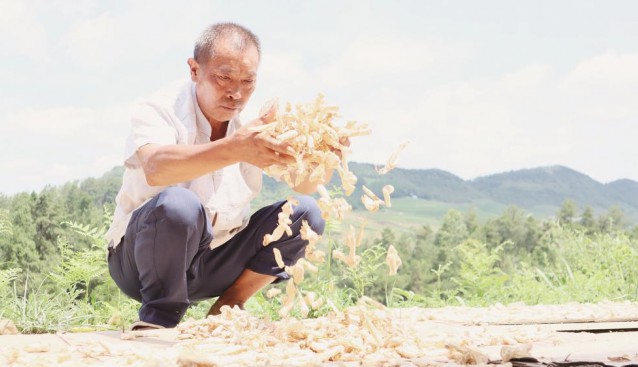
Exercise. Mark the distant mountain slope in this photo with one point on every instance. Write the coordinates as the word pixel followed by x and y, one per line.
pixel 625 191
pixel 428 184
pixel 540 191
pixel 430 192
pixel 542 186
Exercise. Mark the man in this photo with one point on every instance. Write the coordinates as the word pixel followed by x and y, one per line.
pixel 182 229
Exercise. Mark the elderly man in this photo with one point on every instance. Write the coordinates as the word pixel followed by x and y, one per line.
pixel 182 229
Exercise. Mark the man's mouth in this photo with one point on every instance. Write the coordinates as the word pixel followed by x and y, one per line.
pixel 230 108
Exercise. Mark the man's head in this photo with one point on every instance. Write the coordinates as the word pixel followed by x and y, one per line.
pixel 224 68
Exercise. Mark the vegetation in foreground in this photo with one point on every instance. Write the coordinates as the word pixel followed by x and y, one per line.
pixel 511 258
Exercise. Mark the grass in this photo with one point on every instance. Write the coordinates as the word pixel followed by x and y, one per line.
pixel 79 294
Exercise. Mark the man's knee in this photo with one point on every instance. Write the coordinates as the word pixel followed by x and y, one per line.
pixel 309 211
pixel 179 206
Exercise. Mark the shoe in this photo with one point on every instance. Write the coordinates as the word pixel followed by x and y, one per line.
pixel 143 325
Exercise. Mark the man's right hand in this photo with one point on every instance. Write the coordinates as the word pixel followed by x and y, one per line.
pixel 259 148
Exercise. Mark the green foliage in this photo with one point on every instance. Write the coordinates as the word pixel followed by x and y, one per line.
pixel 5 224
pixel 358 280
pixel 7 277
pixel 76 294
pixel 613 220
pixel 577 267
pixel 39 311
pixel 479 278
pixel 592 268
pixel 18 247
pixel 453 230
pixel 567 212
pixel 78 270
pixel 55 241
pixel 587 220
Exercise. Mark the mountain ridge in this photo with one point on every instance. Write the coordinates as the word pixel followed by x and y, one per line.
pixel 540 190
pixel 426 193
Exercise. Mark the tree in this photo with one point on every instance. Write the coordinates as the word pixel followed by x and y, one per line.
pixel 567 212
pixel 587 220
pixel 471 222
pixel 613 220
pixel 515 231
pixel 388 237
pixel 18 249
pixel 511 225
pixel 5 223
pixel 532 235
pixel 420 262
pixel 424 233
pixel 47 216
pixel 452 233
pixel 453 230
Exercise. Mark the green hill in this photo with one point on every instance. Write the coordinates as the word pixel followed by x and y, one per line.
pixel 539 191
pixel 623 191
pixel 543 190
pixel 541 186
pixel 423 196
pixel 425 184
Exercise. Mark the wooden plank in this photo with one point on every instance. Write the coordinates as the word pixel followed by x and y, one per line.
pixel 587 320
pixel 592 326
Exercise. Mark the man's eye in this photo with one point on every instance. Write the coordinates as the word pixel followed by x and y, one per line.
pixel 248 81
pixel 223 77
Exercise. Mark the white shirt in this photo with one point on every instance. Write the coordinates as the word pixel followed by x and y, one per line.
pixel 175 118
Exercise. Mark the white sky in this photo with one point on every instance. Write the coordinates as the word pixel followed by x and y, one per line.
pixel 477 87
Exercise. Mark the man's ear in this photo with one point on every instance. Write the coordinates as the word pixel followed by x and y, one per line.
pixel 194 68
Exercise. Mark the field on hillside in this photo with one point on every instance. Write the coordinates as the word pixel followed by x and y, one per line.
pixel 409 212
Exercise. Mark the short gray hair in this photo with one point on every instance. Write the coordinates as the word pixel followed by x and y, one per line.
pixel 239 36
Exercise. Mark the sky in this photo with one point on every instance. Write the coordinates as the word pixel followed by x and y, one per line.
pixel 475 87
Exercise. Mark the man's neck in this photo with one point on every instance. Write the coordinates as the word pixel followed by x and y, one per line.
pixel 218 130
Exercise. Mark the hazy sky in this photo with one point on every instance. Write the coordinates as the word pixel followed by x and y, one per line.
pixel 478 87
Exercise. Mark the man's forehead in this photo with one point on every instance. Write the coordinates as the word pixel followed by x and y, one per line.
pixel 228 58
pixel 226 67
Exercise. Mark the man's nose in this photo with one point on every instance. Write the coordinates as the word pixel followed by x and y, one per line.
pixel 233 93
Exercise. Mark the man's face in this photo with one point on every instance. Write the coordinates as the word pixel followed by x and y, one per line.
pixel 225 82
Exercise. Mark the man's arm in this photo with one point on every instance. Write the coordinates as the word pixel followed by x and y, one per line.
pixel 170 164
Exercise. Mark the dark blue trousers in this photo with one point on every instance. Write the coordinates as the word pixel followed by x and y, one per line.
pixel 164 261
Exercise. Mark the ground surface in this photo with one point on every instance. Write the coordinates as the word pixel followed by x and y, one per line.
pixel 366 335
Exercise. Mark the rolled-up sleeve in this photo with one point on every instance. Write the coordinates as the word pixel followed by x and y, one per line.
pixel 149 125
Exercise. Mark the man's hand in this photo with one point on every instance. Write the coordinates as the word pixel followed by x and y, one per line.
pixel 259 148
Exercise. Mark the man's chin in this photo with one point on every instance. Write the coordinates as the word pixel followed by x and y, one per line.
pixel 226 115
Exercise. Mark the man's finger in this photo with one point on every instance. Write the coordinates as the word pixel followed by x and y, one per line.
pixel 285 159
pixel 268 111
pixel 277 146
